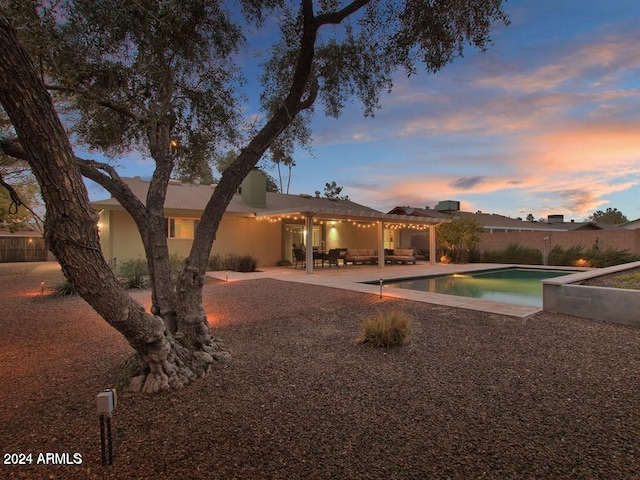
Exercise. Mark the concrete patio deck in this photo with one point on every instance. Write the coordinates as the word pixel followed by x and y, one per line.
pixel 352 276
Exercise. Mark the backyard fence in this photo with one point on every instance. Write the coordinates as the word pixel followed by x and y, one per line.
pixel 22 249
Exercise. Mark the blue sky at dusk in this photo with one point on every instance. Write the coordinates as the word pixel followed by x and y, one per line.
pixel 547 121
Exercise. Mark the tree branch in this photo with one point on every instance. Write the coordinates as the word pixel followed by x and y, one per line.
pixel 104 103
pixel 110 180
pixel 337 17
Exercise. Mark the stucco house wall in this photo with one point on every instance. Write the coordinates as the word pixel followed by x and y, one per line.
pixel 237 235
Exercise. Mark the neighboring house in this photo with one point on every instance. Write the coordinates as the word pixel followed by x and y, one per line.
pixel 501 231
pixel 263 224
pixel 632 225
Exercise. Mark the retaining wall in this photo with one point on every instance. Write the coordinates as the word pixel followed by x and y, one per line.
pixel 616 305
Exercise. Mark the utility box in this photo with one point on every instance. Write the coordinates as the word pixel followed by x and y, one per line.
pixel 106 402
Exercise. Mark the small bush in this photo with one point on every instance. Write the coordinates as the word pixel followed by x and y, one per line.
pixel 64 289
pixel 176 262
pixel 514 254
pixel 560 256
pixel 232 262
pixel 135 274
pixel 610 256
pixel 594 257
pixel 389 329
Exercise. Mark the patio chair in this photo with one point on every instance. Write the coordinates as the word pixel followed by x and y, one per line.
pixel 333 256
pixel 300 257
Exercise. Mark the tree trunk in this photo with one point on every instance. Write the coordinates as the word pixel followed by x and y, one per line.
pixel 71 225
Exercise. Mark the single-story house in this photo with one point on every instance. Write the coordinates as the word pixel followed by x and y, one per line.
pixel 263 224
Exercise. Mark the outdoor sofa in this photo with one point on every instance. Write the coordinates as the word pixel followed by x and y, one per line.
pixel 400 255
pixel 361 255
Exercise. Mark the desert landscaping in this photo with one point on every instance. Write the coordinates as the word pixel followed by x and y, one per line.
pixel 471 395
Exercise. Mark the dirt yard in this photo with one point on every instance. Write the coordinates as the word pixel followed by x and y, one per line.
pixel 472 395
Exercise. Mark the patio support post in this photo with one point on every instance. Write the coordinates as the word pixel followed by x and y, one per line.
pixel 432 244
pixel 380 244
pixel 308 226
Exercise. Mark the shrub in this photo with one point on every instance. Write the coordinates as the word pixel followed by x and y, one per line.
pixel 594 257
pixel 514 254
pixel 64 289
pixel 561 256
pixel 389 329
pixel 176 262
pixel 232 262
pixel 135 274
pixel 609 257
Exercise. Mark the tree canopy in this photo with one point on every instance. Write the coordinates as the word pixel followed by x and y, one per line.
pixel 460 237
pixel 610 216
pixel 164 79
pixel 333 190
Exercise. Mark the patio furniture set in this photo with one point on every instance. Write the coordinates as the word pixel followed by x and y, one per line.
pixel 355 256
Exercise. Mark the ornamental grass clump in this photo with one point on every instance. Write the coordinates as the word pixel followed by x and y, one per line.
pixel 386 329
pixel 64 289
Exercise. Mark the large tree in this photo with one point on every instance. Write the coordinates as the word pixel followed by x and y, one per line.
pixel 158 77
pixel 611 216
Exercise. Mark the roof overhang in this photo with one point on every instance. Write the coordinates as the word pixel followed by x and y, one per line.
pixel 356 215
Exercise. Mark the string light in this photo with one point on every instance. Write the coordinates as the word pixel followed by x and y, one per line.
pixel 354 223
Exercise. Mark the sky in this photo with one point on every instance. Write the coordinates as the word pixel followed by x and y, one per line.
pixel 546 121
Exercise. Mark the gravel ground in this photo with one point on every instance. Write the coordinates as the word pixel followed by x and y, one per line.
pixel 472 395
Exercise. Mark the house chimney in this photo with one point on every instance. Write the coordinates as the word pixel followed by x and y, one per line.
pixel 254 189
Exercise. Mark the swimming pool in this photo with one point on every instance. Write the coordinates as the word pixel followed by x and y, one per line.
pixel 517 285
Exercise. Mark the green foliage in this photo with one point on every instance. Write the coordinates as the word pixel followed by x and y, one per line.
pixel 135 274
pixel 609 257
pixel 389 329
pixel 176 262
pixel 459 237
pixel 233 263
pixel 611 216
pixel 64 289
pixel 594 257
pixel 565 256
pixel 127 65
pixel 18 176
pixel 514 253
pixel 333 190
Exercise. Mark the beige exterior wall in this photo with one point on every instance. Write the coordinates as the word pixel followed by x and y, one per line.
pixel 348 235
pixel 120 239
pixel 355 236
pixel 248 236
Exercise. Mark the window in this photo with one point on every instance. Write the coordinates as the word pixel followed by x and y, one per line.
pixel 181 227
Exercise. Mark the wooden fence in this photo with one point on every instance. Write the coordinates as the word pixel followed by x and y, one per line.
pixel 22 249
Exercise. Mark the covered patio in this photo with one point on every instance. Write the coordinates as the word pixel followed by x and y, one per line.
pixel 366 219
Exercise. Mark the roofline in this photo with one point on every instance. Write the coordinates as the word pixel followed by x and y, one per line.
pixel 330 213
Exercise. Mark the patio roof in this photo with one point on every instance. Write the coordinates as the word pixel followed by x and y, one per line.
pixel 350 214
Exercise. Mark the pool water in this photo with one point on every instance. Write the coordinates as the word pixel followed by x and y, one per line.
pixel 513 285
